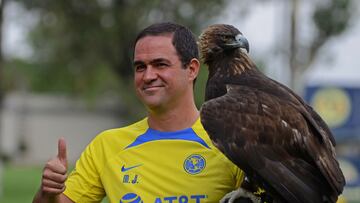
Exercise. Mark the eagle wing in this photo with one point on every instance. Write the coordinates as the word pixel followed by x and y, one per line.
pixel 311 114
pixel 272 142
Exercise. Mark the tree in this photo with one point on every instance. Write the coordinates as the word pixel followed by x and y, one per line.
pixel 2 5
pixel 331 18
pixel 85 47
pixel 82 47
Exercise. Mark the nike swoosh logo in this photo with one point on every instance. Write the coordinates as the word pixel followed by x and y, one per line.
pixel 124 169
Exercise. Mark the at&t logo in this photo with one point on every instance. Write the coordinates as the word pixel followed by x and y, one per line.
pixel 134 198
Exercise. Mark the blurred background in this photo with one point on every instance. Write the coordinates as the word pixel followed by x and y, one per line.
pixel 66 71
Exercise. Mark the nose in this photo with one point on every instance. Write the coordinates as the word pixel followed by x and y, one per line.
pixel 150 74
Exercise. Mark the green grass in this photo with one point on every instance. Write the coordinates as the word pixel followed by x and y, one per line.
pixel 20 184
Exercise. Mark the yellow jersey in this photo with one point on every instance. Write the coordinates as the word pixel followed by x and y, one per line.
pixel 137 164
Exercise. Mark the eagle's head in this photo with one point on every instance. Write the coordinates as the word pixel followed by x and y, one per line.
pixel 221 38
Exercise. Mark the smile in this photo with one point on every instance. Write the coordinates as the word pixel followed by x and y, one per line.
pixel 151 87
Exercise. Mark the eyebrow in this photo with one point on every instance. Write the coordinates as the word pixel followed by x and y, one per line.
pixel 138 63
pixel 157 60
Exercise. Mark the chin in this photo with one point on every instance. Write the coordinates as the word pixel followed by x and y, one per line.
pixel 152 101
pixel 152 104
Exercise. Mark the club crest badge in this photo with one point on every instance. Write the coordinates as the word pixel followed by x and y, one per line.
pixel 194 164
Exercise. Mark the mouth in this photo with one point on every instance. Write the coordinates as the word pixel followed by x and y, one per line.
pixel 152 88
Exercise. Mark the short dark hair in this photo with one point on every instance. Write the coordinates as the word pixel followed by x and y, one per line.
pixel 183 39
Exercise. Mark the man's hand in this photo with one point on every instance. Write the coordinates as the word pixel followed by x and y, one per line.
pixel 53 178
pixel 55 172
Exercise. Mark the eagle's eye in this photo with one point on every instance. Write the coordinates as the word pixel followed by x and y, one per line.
pixel 225 37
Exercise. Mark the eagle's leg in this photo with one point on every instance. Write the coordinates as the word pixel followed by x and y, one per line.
pixel 232 197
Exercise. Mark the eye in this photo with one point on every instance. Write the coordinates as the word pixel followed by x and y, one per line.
pixel 227 37
pixel 140 67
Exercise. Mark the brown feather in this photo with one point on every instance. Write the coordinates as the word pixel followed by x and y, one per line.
pixel 279 141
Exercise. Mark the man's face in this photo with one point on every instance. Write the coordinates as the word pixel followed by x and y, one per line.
pixel 160 80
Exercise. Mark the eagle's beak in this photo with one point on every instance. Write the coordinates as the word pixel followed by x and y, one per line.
pixel 239 42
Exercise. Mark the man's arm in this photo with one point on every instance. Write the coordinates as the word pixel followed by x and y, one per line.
pixel 42 198
pixel 53 178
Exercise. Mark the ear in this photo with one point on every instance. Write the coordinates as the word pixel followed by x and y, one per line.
pixel 193 69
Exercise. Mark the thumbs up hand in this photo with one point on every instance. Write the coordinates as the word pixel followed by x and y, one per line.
pixel 62 156
pixel 55 172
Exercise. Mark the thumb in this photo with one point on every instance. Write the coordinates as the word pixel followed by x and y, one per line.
pixel 62 152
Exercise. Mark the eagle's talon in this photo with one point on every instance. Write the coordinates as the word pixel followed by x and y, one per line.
pixel 232 196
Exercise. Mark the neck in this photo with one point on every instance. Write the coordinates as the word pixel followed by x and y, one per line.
pixel 174 119
pixel 230 64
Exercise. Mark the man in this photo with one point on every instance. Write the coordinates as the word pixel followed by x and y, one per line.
pixel 166 157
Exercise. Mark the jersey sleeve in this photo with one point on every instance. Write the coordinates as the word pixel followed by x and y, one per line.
pixel 239 176
pixel 84 183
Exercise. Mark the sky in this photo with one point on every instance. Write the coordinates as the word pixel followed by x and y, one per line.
pixel 16 24
pixel 338 61
pixel 264 27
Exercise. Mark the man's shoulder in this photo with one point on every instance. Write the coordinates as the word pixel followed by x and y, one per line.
pixel 198 128
pixel 134 129
pixel 119 138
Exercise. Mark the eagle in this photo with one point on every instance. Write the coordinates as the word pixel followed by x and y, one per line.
pixel 284 147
